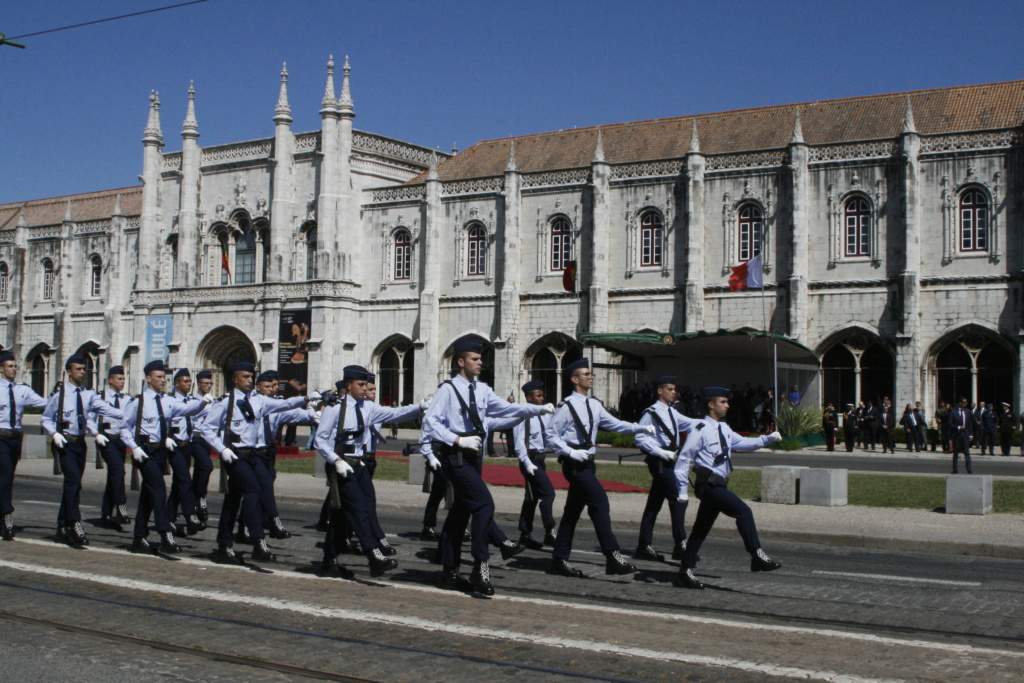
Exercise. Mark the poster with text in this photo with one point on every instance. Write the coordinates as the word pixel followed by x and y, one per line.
pixel 293 351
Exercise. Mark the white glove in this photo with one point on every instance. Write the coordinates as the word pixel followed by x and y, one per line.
pixel 169 444
pixel 471 443
pixel 102 440
pixel 59 440
pixel 665 454
pixel 579 455
pixel 774 437
pixel 342 468
pixel 649 429
pixel 316 418
pixel 139 455
pixel 207 398
pixel 228 456
pixel 531 469
pixel 683 496
pixel 425 403
pixel 315 396
pixel 432 462
pixel 547 409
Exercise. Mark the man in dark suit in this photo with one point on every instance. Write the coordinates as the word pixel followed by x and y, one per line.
pixel 989 425
pixel 850 426
pixel 870 429
pixel 886 425
pixel 1006 427
pixel 830 425
pixel 960 427
pixel 922 424
pixel 911 427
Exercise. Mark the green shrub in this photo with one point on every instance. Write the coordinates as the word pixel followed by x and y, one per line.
pixel 798 421
pixel 615 439
pixel 788 444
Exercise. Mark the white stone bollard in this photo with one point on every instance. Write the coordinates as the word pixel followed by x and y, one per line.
pixel 969 494
pixel 780 484
pixel 417 466
pixel 824 487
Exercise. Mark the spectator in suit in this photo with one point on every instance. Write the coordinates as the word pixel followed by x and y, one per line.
pixel 960 427
pixel 1006 425
pixel 886 426
pixel 830 425
pixel 922 423
pixel 850 426
pixel 942 424
pixel 977 411
pixel 912 428
pixel 870 428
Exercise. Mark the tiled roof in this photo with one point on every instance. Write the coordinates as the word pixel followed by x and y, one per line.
pixel 91 206
pixel 946 110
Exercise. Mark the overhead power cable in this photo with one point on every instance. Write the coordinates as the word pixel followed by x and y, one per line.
pixel 100 21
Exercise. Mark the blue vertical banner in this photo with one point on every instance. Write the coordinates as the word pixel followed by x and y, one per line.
pixel 158 334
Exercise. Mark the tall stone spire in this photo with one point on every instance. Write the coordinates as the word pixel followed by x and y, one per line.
pixel 694 140
pixel 118 211
pixel 283 112
pixel 330 103
pixel 153 132
pixel 511 165
pixel 190 129
pixel 67 212
pixel 908 118
pixel 22 219
pixel 345 101
pixel 599 147
pixel 432 174
pixel 798 130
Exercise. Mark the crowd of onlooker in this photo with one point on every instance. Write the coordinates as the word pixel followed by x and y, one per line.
pixel 750 409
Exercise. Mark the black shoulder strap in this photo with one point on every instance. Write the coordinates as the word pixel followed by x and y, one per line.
pixel 588 439
pixel 473 416
pixel 673 438
pixel 228 436
pixel 340 431
pixel 60 410
pixel 138 419
pixel 527 428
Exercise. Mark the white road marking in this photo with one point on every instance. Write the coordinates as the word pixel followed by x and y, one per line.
pixel 50 502
pixel 911 579
pixel 434 626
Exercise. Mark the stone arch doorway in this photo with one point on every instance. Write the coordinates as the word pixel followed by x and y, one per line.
pixel 395 359
pixel 974 363
pixel 220 350
pixel 487 375
pixel 91 352
pixel 545 359
pixel 37 363
pixel 857 366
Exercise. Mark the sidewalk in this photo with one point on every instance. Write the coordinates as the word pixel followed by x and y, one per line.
pixel 992 535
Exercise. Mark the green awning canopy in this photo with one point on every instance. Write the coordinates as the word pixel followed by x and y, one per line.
pixel 719 345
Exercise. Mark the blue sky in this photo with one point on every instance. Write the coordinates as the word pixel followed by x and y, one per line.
pixel 73 105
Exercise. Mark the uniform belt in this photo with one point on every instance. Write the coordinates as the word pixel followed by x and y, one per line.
pixel 537 455
pixel 482 435
pixel 73 438
pixel 346 449
pixel 369 457
pixel 153 447
pixel 182 442
pixel 352 460
pixel 250 451
pixel 10 434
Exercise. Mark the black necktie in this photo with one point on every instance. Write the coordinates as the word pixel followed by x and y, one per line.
pixel 474 413
pixel 590 419
pixel 268 436
pixel 81 410
pixel 543 437
pixel 360 425
pixel 163 423
pixel 246 408
pixel 10 388
pixel 117 401
pixel 725 450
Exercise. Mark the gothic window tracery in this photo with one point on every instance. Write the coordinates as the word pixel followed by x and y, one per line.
pixel 47 279
pixel 403 255
pixel 651 238
pixel 561 244
pixel 750 226
pixel 309 234
pixel 5 278
pixel 96 276
pixel 973 224
pixel 857 227
pixel 476 250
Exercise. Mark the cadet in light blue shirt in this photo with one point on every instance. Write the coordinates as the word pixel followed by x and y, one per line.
pixel 531 448
pixel 114 508
pixel 14 398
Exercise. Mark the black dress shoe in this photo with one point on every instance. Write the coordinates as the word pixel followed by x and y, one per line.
pixel 428 534
pixel 549 538
pixel 225 555
pixel 355 547
pixel 61 535
pixel 261 551
pixel 647 552
pixel 452 580
pixel 563 568
pixel 760 562
pixel 122 515
pixel 201 511
pixel 193 526
pixel 379 565
pixel 76 535
pixel 481 580
pixel 510 549
pixel 688 580
pixel 386 548
pixel 330 568
pixel 277 529
pixel 617 565
pixel 140 546
pixel 168 546
pixel 6 529
pixel 466 536
pixel 530 542
pixel 677 552
pixel 243 535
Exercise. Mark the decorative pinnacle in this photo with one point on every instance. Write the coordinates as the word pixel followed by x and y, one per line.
pixel 432 175
pixel 908 119
pixel 22 219
pixel 118 211
pixel 694 140
pixel 599 147
pixel 283 113
pixel 190 129
pixel 511 166
pixel 67 211
pixel 330 102
pixel 153 132
pixel 345 101
pixel 798 130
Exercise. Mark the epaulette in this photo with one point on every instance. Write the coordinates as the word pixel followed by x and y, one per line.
pixel 700 426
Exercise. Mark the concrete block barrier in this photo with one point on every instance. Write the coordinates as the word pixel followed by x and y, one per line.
pixel 969 494
pixel 825 487
pixel 781 484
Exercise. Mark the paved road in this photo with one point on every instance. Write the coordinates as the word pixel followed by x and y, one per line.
pixel 829 612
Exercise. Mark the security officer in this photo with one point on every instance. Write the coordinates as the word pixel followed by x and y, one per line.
pixel 830 425
pixel 14 398
pixel 1006 425
pixel 114 508
pixel 531 448
pixel 572 433
pixel 661 451
pixel 708 448
pixel 232 428
pixel 146 431
pixel 457 422
pixel 339 439
pixel 961 423
pixel 202 465
pixel 182 429
pixel 850 426
pixel 66 420
pixel 989 426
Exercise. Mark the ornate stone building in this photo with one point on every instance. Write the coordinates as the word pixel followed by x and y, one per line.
pixel 889 228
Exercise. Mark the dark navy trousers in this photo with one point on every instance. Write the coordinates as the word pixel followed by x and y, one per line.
pixel 10 454
pixel 113 455
pixel 353 515
pixel 182 492
pixel 153 497
pixel 541 493
pixel 72 464
pixel 438 490
pixel 473 502
pixel 244 486
pixel 202 467
pixel 717 500
pixel 664 487
pixel 585 491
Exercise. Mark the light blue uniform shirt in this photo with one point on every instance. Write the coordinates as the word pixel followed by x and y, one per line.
pixel 247 433
pixel 562 429
pixel 169 405
pixel 110 396
pixel 672 419
pixel 23 398
pixel 703 448
pixel 91 403
pixel 327 430
pixel 537 427
pixel 445 420
pixel 373 436
pixel 180 425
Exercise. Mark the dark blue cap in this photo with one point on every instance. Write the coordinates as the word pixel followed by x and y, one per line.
pixel 468 344
pixel 355 372
pixel 182 373
pixel 77 359
pixel 244 366
pixel 115 370
pixel 268 376
pixel 153 366
pixel 204 374
pixel 532 385
pixel 6 356
pixel 714 391
pixel 371 378
pixel 663 379
pixel 575 365
pixel 340 385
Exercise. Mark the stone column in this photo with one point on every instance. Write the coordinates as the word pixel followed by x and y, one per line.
pixel 327 205
pixel 282 191
pixel 149 222
pixel 908 352
pixel 599 242
pixel 508 360
pixel 188 237
pixel 350 232
pixel 799 231
pixel 428 343
pixel 695 267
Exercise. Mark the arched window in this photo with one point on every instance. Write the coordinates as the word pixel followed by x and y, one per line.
pixel 245 255
pixel 857 219
pixel 96 276
pixel 311 253
pixel 225 259
pixel 47 279
pixel 561 244
pixel 973 221
pixel 650 239
pixel 38 375
pixel 5 277
pixel 751 225
pixel 476 253
pixel 403 255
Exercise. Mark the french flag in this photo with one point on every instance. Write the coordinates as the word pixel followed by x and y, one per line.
pixel 746 275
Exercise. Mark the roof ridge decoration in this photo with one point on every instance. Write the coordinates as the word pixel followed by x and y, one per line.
pixel 511 166
pixel 908 118
pixel 599 148
pixel 432 175
pixel 694 139
pixel 118 211
pixel 330 103
pixel 22 220
pixel 67 212
pixel 153 132
pixel 190 129
pixel 345 102
pixel 798 130
pixel 283 112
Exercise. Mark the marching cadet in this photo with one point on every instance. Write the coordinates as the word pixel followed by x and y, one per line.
pixel 114 508
pixel 146 432
pixel 182 430
pixel 14 398
pixel 339 393
pixel 531 447
pixel 232 428
pixel 661 451
pixel 66 419
pixel 339 439
pixel 202 465
pixel 708 448
pixel 438 491
pixel 457 422
pixel 571 433
pixel 1006 425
